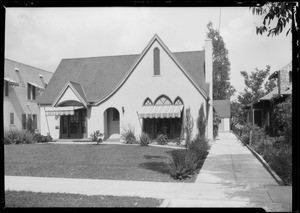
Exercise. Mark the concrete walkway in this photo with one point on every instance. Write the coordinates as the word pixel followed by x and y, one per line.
pixel 230 177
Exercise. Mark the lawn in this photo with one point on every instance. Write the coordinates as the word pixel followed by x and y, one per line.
pixel 114 162
pixel 33 199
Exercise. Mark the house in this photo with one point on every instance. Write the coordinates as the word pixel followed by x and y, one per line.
pixel 23 84
pixel 260 111
pixel 147 92
pixel 222 108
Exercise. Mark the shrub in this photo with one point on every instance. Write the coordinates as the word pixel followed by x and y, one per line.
pixel 96 136
pixel 201 122
pixel 184 164
pixel 41 138
pixel 162 139
pixel 199 145
pixel 177 141
pixel 18 137
pixel 128 135
pixel 216 121
pixel 188 126
pixel 144 139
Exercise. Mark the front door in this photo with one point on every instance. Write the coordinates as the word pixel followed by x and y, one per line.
pixel 72 126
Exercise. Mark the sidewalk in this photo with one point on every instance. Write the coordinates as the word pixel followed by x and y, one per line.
pixel 234 178
pixel 230 177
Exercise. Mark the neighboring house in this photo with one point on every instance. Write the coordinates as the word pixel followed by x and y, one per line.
pixel 23 84
pixel 147 92
pixel 260 111
pixel 222 108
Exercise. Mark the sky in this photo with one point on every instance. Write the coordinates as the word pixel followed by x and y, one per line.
pixel 42 37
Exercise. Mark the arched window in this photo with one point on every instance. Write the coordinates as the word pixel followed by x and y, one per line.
pixel 147 102
pixel 156 61
pixel 163 100
pixel 178 101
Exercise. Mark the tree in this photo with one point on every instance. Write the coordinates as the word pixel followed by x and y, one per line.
pixel 238 115
pixel 222 88
pixel 254 85
pixel 201 122
pixel 276 16
pixel 188 126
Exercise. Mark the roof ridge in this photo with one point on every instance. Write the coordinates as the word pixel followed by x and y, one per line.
pixel 105 56
pixel 29 65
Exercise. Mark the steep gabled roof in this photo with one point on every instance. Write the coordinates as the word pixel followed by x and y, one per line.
pixel 222 107
pixel 101 76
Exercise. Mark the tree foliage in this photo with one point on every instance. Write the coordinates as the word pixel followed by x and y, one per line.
pixel 276 16
pixel 254 85
pixel 238 115
pixel 201 122
pixel 222 88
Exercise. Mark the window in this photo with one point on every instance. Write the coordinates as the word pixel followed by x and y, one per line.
pixel 148 102
pixel 156 61
pixel 30 92
pixel 23 121
pixel 116 116
pixel 163 100
pixel 6 87
pixel 178 101
pixel 34 121
pixel 290 76
pixel 12 118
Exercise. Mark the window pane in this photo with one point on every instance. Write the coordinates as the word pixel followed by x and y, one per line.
pixel 156 62
pixel 33 92
pixel 29 122
pixel 12 119
pixel 28 91
pixel 23 121
pixel 6 88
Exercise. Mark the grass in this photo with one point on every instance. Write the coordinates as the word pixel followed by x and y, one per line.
pixel 114 162
pixel 34 199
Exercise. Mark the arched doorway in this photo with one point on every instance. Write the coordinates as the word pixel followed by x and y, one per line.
pixel 111 124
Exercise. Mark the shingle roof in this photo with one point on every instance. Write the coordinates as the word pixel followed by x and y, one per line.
pixel 26 73
pixel 270 95
pixel 99 76
pixel 222 107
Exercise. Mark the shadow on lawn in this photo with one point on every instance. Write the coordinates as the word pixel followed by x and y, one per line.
pixel 161 167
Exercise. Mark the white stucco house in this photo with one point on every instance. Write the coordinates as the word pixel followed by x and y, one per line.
pixel 148 92
pixel 222 108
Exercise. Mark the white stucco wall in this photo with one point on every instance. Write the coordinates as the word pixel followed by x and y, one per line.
pixel 142 84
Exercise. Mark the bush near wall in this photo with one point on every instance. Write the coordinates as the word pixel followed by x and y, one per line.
pixel 128 135
pixel 144 139
pixel 24 137
pixel 162 139
pixel 276 151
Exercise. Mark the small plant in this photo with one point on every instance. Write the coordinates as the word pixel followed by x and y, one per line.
pixel 177 141
pixel 18 137
pixel 96 137
pixel 128 135
pixel 41 138
pixel 162 139
pixel 144 139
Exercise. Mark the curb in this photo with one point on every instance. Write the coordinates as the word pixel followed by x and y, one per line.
pixel 164 203
pixel 263 162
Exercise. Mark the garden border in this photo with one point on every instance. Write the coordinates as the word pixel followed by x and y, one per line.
pixel 262 161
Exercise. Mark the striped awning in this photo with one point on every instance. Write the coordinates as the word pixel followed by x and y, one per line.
pixel 37 86
pixel 11 82
pixel 163 111
pixel 51 111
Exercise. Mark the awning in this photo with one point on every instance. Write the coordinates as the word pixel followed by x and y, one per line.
pixel 37 86
pixel 51 111
pixel 164 111
pixel 11 82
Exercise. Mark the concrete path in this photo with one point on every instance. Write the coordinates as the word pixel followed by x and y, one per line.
pixel 230 177
pixel 234 178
